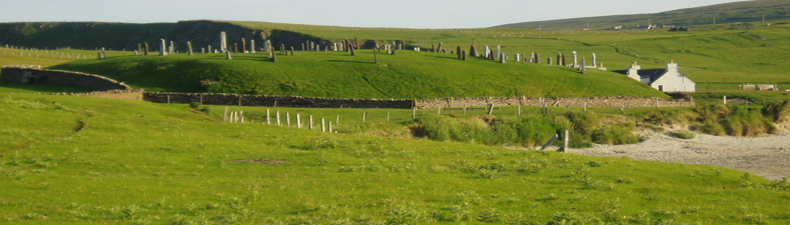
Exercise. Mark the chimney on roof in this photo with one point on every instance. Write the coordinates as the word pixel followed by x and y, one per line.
pixel 633 71
pixel 672 67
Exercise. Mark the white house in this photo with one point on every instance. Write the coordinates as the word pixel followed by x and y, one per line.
pixel 666 80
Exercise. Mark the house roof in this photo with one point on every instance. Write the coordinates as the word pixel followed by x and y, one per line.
pixel 654 74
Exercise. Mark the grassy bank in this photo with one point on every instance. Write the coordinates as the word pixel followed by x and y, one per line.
pixel 72 161
pixel 406 75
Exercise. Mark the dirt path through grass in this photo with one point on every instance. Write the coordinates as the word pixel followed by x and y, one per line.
pixel 767 156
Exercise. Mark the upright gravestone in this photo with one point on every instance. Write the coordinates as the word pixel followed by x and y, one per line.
pixel 266 45
pixel 583 68
pixel 202 50
pixel 458 51
pixel 532 57
pixel 163 48
pixel 223 42
pixel 145 50
pixel 252 46
pixel 498 50
pixel 171 50
pixel 517 57
pixel 549 59
pixel 502 58
pixel 228 54
pixel 595 61
pixel 473 49
pixel 440 47
pixel 189 45
pixel 488 50
pixel 537 57
pixel 139 47
pixel 433 48
pixel 463 55
pixel 209 49
pixel 243 45
pixel 564 62
pixel 559 58
pixel 334 46
pixel 235 47
pixel 575 59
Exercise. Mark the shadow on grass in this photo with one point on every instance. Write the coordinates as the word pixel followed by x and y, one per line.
pixel 35 88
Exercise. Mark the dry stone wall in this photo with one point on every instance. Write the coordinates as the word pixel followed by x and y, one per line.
pixel 594 102
pixel 273 101
pixel 35 75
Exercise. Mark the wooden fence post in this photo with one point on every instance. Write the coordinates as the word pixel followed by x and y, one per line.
pixel 491 110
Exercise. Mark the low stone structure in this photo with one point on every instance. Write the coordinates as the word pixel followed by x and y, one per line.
pixel 274 101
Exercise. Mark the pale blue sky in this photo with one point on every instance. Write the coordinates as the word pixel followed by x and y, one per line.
pixel 357 13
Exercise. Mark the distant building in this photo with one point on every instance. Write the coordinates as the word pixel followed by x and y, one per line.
pixel 666 80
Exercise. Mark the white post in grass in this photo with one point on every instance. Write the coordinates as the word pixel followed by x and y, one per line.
pixel 288 119
pixel 268 121
pixel 278 117
pixel 323 125
pixel 298 121
pixel 241 116
pixel 337 120
pixel 388 117
pixel 311 122
pixel 225 118
pixel 330 126
pixel 565 145
pixel 725 99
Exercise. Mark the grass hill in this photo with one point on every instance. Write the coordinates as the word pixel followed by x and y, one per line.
pixel 407 74
pixel 717 58
pixel 726 13
pixel 72 161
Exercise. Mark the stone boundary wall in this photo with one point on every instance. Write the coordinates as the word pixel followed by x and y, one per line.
pixel 273 101
pixel 33 74
pixel 136 94
pixel 680 100
pixel 593 102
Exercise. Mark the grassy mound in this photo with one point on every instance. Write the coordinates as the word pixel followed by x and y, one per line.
pixel 339 75
pixel 183 167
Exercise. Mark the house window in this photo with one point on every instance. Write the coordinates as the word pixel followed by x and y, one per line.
pixel 661 87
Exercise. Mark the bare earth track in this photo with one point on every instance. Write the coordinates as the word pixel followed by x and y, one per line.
pixel 767 156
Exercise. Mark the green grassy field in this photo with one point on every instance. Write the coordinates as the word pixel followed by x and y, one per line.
pixel 717 59
pixel 90 160
pixel 407 74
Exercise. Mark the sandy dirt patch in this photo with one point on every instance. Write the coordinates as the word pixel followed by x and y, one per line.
pixel 767 156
